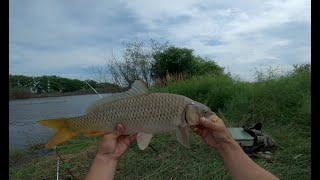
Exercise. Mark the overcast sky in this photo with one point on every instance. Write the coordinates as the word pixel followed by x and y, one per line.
pixel 66 37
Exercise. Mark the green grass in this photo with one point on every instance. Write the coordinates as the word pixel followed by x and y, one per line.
pixel 281 103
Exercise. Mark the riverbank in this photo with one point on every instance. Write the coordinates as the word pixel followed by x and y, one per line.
pixel 24 87
pixel 281 103
pixel 25 94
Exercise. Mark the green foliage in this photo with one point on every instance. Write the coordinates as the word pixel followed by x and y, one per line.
pixel 302 68
pixel 19 81
pixel 213 91
pixel 21 86
pixel 282 103
pixel 182 61
pixel 46 83
pixel 204 66
pixel 173 61
pixel 154 61
pixel 282 99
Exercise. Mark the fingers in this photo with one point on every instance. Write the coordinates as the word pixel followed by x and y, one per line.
pixel 110 136
pixel 119 134
pixel 200 130
pixel 120 129
pixel 127 139
pixel 133 138
pixel 207 123
pixel 197 129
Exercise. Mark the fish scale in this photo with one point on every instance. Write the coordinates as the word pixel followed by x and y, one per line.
pixel 154 113
pixel 138 110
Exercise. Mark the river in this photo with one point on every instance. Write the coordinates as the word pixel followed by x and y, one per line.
pixel 24 114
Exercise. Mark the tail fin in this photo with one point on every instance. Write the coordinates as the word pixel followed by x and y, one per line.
pixel 63 132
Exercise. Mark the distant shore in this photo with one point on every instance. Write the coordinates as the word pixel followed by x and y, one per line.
pixel 56 94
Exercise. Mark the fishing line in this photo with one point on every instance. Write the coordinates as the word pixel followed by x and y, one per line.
pixel 58 169
pixel 58 164
pixel 94 90
pixel 58 155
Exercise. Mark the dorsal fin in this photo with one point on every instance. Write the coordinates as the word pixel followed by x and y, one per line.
pixel 137 88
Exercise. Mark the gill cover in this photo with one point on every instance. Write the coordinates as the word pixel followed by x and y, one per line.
pixel 195 111
pixel 192 115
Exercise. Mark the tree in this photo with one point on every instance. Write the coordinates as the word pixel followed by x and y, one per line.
pixel 176 61
pixel 172 61
pixel 136 62
pixel 302 68
pixel 202 66
pixel 154 61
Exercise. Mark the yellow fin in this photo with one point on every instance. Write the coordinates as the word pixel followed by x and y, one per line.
pixel 95 133
pixel 63 132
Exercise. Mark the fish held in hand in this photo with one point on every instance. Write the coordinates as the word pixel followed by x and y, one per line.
pixel 139 110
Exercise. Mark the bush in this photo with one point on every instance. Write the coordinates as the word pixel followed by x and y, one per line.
pixel 176 61
pixel 281 99
pixel 172 61
pixel 213 91
pixel 19 93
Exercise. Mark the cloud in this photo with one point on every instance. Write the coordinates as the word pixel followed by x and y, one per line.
pixel 54 36
pixel 241 31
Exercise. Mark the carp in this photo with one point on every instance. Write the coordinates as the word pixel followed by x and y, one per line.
pixel 139 110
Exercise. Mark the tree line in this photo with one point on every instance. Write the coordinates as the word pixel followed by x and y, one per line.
pixel 49 84
pixel 156 63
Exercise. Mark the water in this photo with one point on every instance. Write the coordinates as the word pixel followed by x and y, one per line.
pixel 24 114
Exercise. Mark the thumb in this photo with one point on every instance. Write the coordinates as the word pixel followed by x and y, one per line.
pixel 207 123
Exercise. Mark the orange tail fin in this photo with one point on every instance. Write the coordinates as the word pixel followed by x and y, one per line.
pixel 63 132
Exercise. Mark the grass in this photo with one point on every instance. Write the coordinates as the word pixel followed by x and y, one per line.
pixel 282 103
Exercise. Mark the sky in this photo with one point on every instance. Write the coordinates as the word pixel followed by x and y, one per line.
pixel 66 38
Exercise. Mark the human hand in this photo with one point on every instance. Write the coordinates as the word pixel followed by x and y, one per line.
pixel 115 144
pixel 213 132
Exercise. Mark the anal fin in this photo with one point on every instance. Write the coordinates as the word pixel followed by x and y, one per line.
pixel 143 140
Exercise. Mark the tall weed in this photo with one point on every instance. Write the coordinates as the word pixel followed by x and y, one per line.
pixel 272 98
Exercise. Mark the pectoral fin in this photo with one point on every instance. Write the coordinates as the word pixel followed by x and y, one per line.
pixel 143 140
pixel 183 136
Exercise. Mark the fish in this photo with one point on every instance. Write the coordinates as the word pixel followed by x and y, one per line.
pixel 139 110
